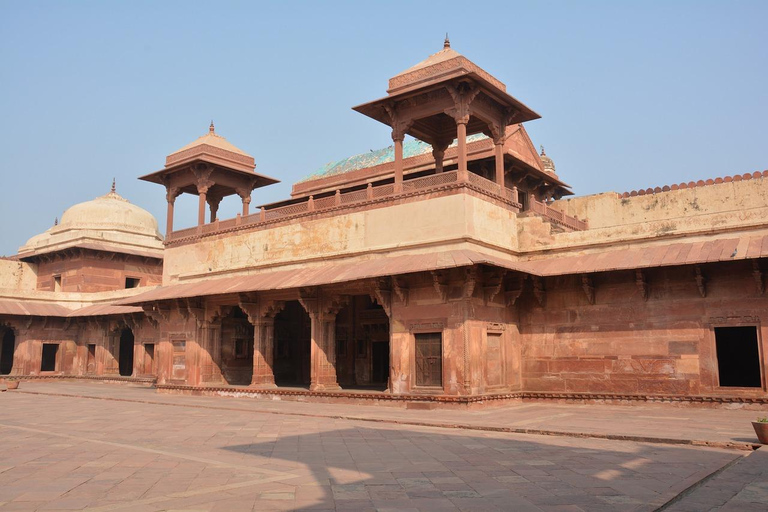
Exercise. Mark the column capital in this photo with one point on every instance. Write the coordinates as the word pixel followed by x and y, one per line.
pixel 463 95
pixel 172 193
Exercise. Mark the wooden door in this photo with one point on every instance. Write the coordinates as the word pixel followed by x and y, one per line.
pixel 429 359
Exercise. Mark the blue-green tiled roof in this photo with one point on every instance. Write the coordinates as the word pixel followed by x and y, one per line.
pixel 411 147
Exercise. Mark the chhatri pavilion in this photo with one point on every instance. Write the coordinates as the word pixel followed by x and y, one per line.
pixel 454 267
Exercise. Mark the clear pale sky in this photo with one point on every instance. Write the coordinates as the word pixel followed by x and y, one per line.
pixel 632 94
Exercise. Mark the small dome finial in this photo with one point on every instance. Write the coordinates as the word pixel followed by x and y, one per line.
pixel 211 129
pixel 542 151
pixel 447 42
pixel 113 186
pixel 56 221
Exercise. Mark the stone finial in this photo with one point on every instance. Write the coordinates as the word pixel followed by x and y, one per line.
pixel 56 221
pixel 114 190
pixel 447 42
pixel 211 129
pixel 542 151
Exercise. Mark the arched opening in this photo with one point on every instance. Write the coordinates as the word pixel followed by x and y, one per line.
pixel 237 348
pixel 125 359
pixel 6 351
pixel 362 345
pixel 292 352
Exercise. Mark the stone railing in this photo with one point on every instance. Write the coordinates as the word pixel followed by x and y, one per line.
pixel 557 216
pixel 310 205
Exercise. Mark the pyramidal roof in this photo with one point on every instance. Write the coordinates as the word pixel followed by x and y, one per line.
pixel 211 143
pixel 212 139
pixel 443 55
pixel 438 67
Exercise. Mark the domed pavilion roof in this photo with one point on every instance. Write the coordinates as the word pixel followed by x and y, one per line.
pixel 109 223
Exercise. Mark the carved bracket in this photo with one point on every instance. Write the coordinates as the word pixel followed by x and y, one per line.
pixel 493 283
pixel 589 288
pixel 463 95
pixel 642 283
pixel 701 281
pixel 382 295
pixel 757 273
pixel 512 293
pixel 399 124
pixel 538 290
pixel 440 282
pixel 470 282
pixel 401 289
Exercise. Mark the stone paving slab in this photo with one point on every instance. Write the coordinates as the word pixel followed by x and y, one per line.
pixel 68 453
pixel 653 421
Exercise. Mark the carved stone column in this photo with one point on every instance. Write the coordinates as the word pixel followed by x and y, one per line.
pixel 204 183
pixel 261 314
pixel 245 197
pixel 499 153
pixel 438 152
pixel 399 127
pixel 322 313
pixel 171 194
pixel 462 95
pixel 213 203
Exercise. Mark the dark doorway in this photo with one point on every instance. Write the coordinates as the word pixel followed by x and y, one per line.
pixel 292 346
pixel 126 352
pixel 429 359
pixel 738 357
pixel 380 357
pixel 237 348
pixel 362 345
pixel 6 352
pixel 48 362
pixel 90 366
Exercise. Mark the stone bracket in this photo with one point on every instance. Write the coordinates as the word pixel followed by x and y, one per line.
pixel 493 284
pixel 757 273
pixel 440 282
pixel 511 296
pixel 589 287
pixel 642 283
pixel 538 290
pixel 382 295
pixel 401 289
pixel 701 281
pixel 470 282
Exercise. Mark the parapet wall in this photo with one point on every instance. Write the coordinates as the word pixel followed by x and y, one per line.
pixel 718 207
pixel 17 275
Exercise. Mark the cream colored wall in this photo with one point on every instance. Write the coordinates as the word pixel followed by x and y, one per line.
pixel 419 225
pixel 736 206
pixel 17 275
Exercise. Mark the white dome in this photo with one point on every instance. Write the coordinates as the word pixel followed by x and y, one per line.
pixel 109 222
pixel 109 212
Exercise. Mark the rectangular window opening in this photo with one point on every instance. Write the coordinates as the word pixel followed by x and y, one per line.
pixel 57 283
pixel 48 363
pixel 429 359
pixel 132 282
pixel 738 357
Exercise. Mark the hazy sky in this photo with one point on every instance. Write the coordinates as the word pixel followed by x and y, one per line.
pixel 632 94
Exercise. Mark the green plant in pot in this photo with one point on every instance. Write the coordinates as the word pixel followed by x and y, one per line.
pixel 761 429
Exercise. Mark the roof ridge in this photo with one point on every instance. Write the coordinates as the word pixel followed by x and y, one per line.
pixel 694 184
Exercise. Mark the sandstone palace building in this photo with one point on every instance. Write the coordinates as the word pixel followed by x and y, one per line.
pixel 454 267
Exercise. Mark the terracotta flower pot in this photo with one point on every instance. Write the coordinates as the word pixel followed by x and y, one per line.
pixel 761 429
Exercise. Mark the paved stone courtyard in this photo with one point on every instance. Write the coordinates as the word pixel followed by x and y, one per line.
pixel 132 449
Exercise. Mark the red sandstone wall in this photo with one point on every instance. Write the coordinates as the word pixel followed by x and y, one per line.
pixel 88 273
pixel 624 344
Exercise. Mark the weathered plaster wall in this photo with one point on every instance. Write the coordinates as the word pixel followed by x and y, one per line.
pixel 738 205
pixel 429 223
pixel 17 275
pixel 626 345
